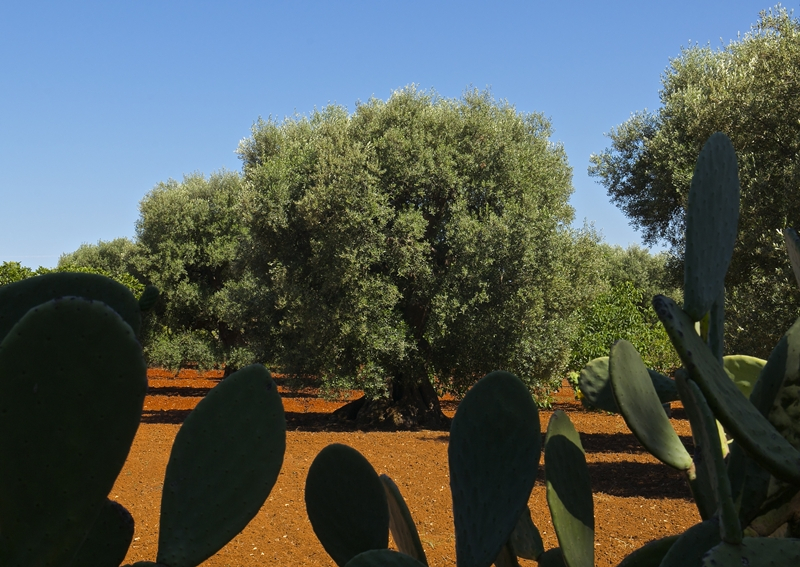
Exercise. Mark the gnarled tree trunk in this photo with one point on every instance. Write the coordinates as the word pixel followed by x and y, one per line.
pixel 411 404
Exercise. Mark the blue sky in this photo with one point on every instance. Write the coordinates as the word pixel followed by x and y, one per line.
pixel 99 101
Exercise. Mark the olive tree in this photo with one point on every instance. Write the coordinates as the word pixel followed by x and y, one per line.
pixel 116 257
pixel 750 90
pixel 189 240
pixel 415 245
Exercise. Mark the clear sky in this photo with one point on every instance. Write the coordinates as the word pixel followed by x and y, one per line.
pixel 99 101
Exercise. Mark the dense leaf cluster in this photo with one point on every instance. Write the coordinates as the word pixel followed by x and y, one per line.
pixel 418 237
pixel 14 271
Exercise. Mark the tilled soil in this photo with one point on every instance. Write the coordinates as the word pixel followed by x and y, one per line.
pixel 636 498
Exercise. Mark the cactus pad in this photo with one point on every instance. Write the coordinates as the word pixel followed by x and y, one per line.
pixel 784 414
pixel 711 225
pixel 650 554
pixel 224 462
pixel 704 428
pixel 346 503
pixel 771 377
pixel 595 385
pixel 793 249
pixel 569 491
pixel 108 540
pixel 401 524
pixel 72 385
pixel 641 408
pixel 148 298
pixel 506 558
pixel 495 444
pixel 739 417
pixel 743 370
pixel 755 552
pixel 525 540
pixel 18 297
pixel 689 548
pixel 552 558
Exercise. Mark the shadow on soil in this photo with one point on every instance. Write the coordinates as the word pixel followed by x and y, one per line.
pixel 183 392
pixel 295 421
pixel 648 480
pixel 615 478
pixel 620 443
pixel 630 479
pixel 165 416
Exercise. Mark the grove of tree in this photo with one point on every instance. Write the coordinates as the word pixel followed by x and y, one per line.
pixel 750 90
pixel 405 249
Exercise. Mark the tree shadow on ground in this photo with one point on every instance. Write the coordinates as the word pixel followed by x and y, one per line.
pixel 183 392
pixel 630 479
pixel 173 416
pixel 621 443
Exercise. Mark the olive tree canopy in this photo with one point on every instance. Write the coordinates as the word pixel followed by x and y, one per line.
pixel 189 238
pixel 414 245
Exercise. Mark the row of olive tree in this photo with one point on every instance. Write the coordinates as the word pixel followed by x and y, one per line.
pixel 420 242
pixel 409 247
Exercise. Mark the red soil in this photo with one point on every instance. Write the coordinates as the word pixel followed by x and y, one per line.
pixel 636 498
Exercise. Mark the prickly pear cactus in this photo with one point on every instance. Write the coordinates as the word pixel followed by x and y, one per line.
pixel 740 417
pixel 754 490
pixel 346 503
pixel 72 386
pixel 223 465
pixel 495 443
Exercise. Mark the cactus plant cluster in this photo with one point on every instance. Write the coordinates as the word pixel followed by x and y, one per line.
pixel 72 388
pixel 744 412
pixel 494 453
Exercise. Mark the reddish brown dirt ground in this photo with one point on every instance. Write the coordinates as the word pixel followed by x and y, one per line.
pixel 636 498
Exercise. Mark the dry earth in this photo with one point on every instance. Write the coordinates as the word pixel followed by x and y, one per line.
pixel 636 498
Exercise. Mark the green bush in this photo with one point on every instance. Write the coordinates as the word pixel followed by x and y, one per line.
pixel 618 314
pixel 11 272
